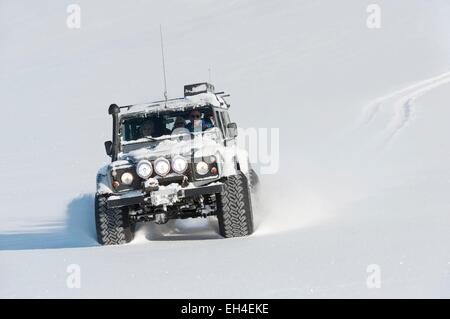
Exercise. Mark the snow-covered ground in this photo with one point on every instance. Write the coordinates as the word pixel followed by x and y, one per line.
pixel 364 146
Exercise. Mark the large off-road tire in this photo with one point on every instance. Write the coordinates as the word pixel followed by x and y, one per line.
pixel 235 208
pixel 112 224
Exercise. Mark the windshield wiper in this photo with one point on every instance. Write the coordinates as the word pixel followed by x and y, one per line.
pixel 141 139
pixel 153 139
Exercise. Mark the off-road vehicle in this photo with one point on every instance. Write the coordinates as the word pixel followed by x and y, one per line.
pixel 174 159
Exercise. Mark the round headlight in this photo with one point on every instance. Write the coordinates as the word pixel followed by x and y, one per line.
pixel 127 178
pixel 162 166
pixel 144 169
pixel 179 164
pixel 202 168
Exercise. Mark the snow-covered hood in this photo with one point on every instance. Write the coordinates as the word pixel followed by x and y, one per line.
pixel 198 147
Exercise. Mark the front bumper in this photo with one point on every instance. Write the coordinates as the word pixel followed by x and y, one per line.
pixel 141 197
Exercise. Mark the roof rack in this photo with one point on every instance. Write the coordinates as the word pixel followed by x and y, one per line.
pixel 189 90
pixel 198 88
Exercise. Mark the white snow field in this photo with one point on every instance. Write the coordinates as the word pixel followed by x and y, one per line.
pixel 363 187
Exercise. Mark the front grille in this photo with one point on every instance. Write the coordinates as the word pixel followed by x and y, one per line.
pixel 179 179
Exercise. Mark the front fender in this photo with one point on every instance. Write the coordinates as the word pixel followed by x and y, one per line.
pixel 104 183
pixel 243 160
pixel 233 159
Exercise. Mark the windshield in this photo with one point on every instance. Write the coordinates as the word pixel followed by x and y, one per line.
pixel 158 126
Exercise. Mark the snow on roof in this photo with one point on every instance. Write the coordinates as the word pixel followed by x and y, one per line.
pixel 199 100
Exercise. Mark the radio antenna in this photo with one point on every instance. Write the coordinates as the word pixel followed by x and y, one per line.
pixel 163 64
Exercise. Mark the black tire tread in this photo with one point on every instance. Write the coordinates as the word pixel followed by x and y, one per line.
pixel 235 209
pixel 113 227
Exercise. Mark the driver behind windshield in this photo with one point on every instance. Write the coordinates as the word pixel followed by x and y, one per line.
pixel 197 124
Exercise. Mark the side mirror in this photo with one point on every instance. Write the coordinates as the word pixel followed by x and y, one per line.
pixel 232 130
pixel 108 148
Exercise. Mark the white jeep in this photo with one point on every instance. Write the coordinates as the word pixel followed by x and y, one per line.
pixel 174 159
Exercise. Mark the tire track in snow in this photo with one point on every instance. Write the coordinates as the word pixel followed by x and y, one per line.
pixel 403 102
pixel 404 108
pixel 371 110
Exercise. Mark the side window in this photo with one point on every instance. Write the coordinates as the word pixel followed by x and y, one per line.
pixel 226 118
pixel 219 121
pixel 225 121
